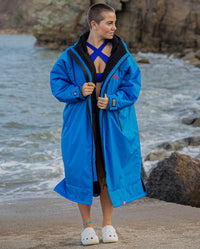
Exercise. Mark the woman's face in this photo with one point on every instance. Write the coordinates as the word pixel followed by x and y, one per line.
pixel 106 28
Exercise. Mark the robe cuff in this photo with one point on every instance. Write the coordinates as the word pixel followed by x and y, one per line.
pixel 77 94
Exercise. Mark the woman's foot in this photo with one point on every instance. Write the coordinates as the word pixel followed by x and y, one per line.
pixel 89 237
pixel 109 234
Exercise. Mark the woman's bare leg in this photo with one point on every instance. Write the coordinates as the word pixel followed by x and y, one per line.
pixel 85 214
pixel 106 204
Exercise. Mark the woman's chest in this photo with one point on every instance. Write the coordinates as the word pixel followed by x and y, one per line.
pixel 100 59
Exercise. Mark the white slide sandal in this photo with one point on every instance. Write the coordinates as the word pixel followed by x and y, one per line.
pixel 109 234
pixel 89 237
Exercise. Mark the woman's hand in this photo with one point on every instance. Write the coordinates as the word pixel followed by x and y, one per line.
pixel 87 89
pixel 102 103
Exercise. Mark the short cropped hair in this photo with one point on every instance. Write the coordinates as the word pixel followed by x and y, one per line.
pixel 95 12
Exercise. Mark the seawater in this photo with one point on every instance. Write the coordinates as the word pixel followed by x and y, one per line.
pixel 31 118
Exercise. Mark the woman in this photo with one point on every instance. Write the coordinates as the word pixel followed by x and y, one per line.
pixel 99 81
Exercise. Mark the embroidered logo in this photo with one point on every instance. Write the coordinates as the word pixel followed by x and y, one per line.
pixel 75 93
pixel 115 77
pixel 124 203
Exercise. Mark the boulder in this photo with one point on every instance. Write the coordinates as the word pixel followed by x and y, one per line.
pixel 180 144
pixel 197 123
pixel 143 61
pixel 192 120
pixel 176 179
pixel 192 116
pixel 189 56
pixel 154 156
pixel 194 61
pixel 197 54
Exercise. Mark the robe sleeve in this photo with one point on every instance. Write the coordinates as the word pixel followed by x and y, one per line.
pixel 128 92
pixel 62 86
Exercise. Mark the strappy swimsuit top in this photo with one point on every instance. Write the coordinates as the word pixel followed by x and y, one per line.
pixel 98 52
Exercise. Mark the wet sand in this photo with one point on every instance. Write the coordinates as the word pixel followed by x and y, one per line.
pixel 56 223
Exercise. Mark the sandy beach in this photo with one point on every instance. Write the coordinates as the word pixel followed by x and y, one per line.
pixel 51 223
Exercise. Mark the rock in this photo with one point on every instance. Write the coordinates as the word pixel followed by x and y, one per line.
pixel 197 123
pixel 180 144
pixel 194 61
pixel 156 26
pixel 197 54
pixel 189 120
pixel 154 156
pixel 176 179
pixel 60 22
pixel 189 56
pixel 143 61
pixel 192 120
pixel 17 16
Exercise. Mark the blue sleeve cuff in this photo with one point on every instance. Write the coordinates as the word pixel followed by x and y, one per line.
pixel 77 94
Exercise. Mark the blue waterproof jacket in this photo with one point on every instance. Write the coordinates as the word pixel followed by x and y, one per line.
pixel 118 125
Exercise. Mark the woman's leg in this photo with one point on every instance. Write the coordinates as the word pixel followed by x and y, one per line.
pixel 85 214
pixel 106 204
pixel 88 235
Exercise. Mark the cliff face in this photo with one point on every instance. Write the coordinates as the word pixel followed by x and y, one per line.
pixel 146 25
pixel 60 21
pixel 17 15
pixel 161 25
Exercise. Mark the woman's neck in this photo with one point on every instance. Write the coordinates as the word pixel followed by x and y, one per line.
pixel 95 40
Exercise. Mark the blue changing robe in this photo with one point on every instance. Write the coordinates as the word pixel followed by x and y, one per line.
pixel 118 125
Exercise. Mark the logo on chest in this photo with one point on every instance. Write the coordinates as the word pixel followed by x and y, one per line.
pixel 115 77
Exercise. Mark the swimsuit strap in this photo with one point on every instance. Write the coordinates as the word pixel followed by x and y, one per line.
pixel 97 52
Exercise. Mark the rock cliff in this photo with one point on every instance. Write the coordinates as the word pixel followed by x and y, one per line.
pixel 147 25
pixel 17 16
pixel 60 22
